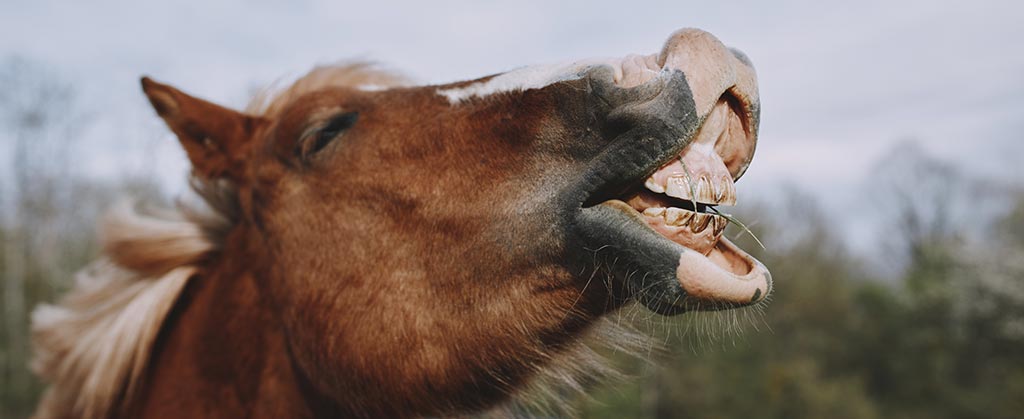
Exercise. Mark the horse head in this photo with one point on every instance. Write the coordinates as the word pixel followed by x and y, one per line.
pixel 431 249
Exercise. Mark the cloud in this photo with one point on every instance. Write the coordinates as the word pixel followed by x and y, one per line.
pixel 840 83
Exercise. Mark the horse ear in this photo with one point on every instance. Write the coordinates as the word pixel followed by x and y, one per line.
pixel 216 139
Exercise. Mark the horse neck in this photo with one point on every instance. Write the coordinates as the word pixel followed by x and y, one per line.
pixel 222 352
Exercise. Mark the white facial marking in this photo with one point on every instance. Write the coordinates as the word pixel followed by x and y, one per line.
pixel 525 78
pixel 372 87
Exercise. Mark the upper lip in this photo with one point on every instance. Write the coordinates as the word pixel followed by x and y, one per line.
pixel 603 189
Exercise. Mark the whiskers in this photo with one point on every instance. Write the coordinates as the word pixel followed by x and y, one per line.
pixel 704 326
pixel 631 334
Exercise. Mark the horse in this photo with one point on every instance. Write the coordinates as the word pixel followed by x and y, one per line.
pixel 361 246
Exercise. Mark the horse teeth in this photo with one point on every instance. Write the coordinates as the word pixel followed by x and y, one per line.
pixel 654 186
pixel 672 215
pixel 654 211
pixel 700 222
pixel 720 223
pixel 678 187
pixel 727 192
pixel 705 192
pixel 685 219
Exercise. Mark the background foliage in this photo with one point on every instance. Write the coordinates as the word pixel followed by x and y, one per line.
pixel 942 338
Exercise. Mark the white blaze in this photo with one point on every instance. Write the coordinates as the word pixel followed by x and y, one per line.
pixel 525 78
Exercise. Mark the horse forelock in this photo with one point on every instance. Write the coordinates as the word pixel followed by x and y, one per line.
pixel 93 346
pixel 269 102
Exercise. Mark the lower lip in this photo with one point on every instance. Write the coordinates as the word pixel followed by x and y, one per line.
pixel 726 275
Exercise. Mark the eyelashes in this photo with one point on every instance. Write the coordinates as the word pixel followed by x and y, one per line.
pixel 316 141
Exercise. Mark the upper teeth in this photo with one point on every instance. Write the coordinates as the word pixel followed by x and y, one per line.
pixel 654 186
pixel 701 189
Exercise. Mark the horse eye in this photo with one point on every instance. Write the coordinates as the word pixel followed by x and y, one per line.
pixel 322 137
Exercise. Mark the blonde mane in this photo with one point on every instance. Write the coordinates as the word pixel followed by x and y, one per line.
pixel 93 346
pixel 270 101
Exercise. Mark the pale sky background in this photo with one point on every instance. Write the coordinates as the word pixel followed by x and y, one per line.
pixel 841 83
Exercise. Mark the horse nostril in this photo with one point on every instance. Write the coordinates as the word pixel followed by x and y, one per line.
pixel 737 142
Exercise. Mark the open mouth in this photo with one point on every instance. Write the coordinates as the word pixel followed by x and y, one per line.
pixel 680 201
pixel 669 225
pixel 653 200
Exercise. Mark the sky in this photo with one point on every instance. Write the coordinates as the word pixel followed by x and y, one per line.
pixel 842 83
